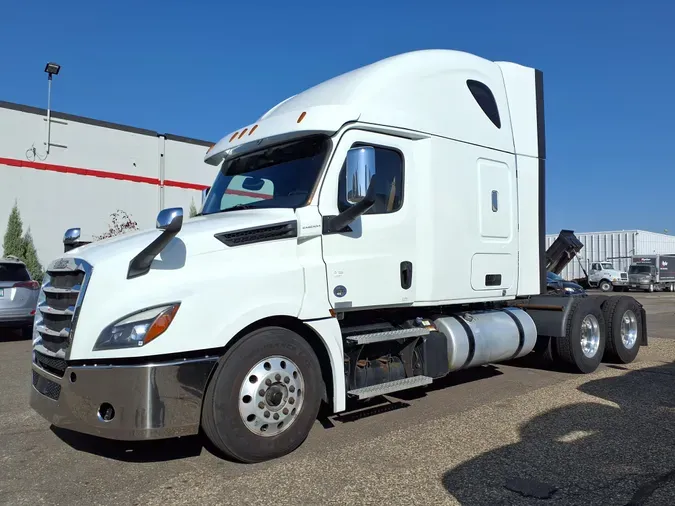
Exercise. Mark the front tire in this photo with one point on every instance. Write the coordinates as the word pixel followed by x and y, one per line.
pixel 583 345
pixel 624 329
pixel 606 286
pixel 264 396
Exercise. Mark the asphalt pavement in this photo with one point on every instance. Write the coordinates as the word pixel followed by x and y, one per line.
pixel 506 434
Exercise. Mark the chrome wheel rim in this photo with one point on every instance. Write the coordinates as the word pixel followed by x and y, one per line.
pixel 271 396
pixel 629 329
pixel 590 335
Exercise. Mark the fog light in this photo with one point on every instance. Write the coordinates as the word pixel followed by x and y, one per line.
pixel 106 412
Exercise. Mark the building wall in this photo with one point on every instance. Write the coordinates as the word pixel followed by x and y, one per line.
pixel 93 169
pixel 616 247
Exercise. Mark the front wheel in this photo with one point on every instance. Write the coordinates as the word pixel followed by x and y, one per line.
pixel 264 396
pixel 606 286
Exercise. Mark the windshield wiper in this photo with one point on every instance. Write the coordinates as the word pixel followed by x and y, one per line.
pixel 239 207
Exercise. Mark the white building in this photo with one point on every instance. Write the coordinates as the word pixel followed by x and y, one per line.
pixel 617 247
pixel 92 169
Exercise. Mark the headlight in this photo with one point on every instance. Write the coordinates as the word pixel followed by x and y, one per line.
pixel 138 329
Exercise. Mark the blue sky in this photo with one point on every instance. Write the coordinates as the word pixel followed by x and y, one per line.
pixel 202 69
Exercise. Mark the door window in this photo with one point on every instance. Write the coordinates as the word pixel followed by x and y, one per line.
pixel 388 182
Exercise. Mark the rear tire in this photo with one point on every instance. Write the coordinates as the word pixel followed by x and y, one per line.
pixel 256 407
pixel 624 329
pixel 583 346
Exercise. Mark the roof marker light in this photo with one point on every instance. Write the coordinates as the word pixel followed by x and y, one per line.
pixel 253 129
pixel 242 133
pixel 302 116
pixel 234 135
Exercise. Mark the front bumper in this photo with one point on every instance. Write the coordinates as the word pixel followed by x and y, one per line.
pixel 14 319
pixel 149 401
pixel 620 282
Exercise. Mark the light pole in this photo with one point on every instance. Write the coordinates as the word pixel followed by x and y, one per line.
pixel 52 69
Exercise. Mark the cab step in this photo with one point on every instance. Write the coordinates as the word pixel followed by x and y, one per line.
pixel 388 335
pixel 391 386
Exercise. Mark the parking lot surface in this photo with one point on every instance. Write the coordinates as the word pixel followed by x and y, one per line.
pixel 505 434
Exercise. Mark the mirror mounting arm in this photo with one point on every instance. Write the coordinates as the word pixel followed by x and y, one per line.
pixel 340 222
pixel 170 222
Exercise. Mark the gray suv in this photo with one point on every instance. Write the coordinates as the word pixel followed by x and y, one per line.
pixel 18 296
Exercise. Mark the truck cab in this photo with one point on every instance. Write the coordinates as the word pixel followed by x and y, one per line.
pixel 371 234
pixel 603 275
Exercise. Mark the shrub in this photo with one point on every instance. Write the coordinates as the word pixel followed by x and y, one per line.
pixel 121 223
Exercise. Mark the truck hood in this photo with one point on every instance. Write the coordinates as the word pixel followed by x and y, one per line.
pixel 197 234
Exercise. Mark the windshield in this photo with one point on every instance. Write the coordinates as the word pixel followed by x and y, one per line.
pixel 639 269
pixel 278 176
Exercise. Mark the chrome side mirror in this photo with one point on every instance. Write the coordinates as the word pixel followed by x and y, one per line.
pixel 71 235
pixel 360 171
pixel 170 219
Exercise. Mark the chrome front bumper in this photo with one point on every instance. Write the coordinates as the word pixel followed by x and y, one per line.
pixel 148 401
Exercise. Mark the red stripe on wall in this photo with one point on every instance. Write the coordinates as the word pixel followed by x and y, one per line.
pixel 64 169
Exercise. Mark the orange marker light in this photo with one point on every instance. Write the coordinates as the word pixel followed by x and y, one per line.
pixel 253 129
pixel 302 116
pixel 233 136
pixel 160 324
pixel 243 132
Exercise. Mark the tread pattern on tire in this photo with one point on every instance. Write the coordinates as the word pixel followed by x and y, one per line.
pixel 209 425
pixel 610 308
pixel 563 346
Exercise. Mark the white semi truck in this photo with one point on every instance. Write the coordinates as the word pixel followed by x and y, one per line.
pixel 371 234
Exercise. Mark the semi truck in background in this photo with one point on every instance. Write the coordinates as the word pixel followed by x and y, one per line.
pixel 652 273
pixel 400 238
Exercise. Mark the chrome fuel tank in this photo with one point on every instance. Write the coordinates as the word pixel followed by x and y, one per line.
pixel 481 337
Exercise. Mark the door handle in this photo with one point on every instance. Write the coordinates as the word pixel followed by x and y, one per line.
pixel 406 275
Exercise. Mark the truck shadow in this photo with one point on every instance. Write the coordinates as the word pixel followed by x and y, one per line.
pixel 616 449
pixel 132 451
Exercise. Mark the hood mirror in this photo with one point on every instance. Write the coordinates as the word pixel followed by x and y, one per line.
pixel 170 219
pixel 71 235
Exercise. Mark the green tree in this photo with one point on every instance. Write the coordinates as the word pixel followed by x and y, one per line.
pixel 30 258
pixel 193 209
pixel 13 243
pixel 21 246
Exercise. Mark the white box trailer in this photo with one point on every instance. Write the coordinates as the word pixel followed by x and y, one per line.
pixel 397 235
pixel 93 168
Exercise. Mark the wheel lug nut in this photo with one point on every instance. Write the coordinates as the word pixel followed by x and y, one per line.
pixel 267 414
pixel 277 377
pixel 287 380
pixel 261 404
pixel 291 400
pixel 276 416
pixel 261 392
pixel 268 382
pixel 291 388
pixel 285 411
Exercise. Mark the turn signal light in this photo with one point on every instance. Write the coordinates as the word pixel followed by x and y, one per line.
pixel 160 324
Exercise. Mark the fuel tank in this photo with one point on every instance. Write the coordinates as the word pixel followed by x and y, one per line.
pixel 481 337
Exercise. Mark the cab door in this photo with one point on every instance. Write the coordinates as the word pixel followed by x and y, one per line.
pixel 373 263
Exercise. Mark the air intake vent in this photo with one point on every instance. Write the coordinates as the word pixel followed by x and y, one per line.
pixel 259 234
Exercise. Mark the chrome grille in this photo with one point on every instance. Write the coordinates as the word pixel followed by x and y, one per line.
pixel 58 306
